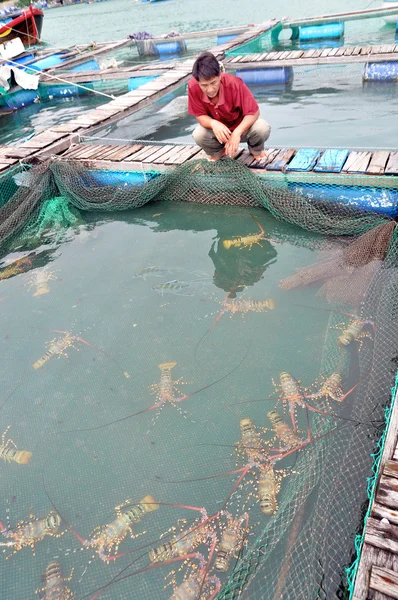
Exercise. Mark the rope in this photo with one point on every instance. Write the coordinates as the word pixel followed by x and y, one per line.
pixel 78 85
pixel 146 142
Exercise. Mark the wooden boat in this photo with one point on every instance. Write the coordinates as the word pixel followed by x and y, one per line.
pixel 26 25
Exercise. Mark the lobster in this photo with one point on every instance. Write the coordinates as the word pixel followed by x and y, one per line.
pixel 9 454
pixel 244 306
pixel 331 388
pixel 27 533
pixel 287 438
pixel 55 588
pixel 247 240
pixel 231 541
pixel 107 537
pixel 185 541
pixel 251 445
pixel 40 280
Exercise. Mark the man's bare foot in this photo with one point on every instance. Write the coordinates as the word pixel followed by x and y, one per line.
pixel 215 158
pixel 260 156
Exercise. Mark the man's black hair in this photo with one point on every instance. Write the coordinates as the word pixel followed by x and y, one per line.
pixel 206 66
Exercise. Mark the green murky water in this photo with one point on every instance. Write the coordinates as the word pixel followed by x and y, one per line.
pixel 127 321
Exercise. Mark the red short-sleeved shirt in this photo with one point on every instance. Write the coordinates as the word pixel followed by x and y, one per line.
pixel 235 101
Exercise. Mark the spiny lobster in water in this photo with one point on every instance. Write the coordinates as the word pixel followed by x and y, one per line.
pixel 9 454
pixel 107 538
pixel 55 584
pixel 27 533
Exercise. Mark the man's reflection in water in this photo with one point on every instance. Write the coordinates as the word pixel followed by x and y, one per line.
pixel 238 268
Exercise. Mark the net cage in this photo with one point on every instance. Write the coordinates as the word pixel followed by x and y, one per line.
pixel 305 479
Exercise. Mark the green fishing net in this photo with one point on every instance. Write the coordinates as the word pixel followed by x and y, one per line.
pixel 301 551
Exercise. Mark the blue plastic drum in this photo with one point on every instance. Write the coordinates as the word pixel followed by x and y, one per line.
pixel 266 76
pixel 321 32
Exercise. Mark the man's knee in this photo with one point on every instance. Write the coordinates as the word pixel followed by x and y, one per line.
pixel 261 129
pixel 200 135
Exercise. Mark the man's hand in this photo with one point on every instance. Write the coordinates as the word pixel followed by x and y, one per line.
pixel 231 147
pixel 221 131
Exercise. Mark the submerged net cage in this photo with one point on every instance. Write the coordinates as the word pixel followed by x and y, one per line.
pixel 305 542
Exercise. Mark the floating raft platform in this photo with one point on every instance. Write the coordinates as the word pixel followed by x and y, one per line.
pixel 287 160
pixel 377 575
pixel 320 56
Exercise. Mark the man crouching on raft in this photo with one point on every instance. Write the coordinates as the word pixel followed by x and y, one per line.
pixel 226 111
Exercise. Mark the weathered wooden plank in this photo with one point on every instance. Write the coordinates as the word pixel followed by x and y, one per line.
pixel 270 154
pixel 72 150
pixel 246 158
pixel 162 151
pixel 388 48
pixel 154 151
pixel 357 162
pixel 376 49
pixel 173 157
pixel 161 160
pixel 123 152
pixel 281 160
pixel 384 512
pixel 200 156
pixel 331 161
pixel 372 556
pixel 283 54
pixel 187 154
pixel 387 493
pixel 15 152
pixel 384 581
pixel 67 127
pixel 378 162
pixel 392 169
pixel 75 150
pixel 296 54
pixel 391 469
pixel 43 139
pixel 146 151
pixel 366 50
pixel 88 151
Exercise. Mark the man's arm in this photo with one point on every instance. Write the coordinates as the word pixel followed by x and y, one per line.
pixel 232 145
pixel 220 130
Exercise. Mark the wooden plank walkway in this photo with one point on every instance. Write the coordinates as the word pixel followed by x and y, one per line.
pixel 355 15
pixel 160 157
pixel 119 73
pixel 59 138
pixel 377 576
pixel 321 56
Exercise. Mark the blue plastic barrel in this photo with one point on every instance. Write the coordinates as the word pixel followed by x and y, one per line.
pixel 170 47
pixel 46 63
pixel 136 82
pixel 223 39
pixel 20 98
pixel 382 71
pixel 266 76
pixel 58 90
pixel 321 32
pixel 123 179
pixel 90 65
pixel 380 200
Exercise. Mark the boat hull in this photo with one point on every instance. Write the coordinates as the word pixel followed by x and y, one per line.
pixel 26 25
